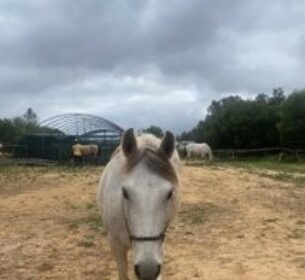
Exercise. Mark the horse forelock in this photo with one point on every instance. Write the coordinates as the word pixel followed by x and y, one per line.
pixel 148 153
pixel 155 161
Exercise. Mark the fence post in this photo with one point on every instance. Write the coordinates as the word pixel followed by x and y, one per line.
pixel 233 154
pixel 297 154
pixel 280 156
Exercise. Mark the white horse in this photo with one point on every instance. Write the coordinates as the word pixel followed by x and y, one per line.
pixel 138 198
pixel 199 149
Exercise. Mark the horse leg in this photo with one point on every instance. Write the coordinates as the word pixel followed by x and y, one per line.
pixel 201 155
pixel 210 156
pixel 120 254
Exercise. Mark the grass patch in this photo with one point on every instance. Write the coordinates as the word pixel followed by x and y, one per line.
pixel 45 266
pixel 269 163
pixel 297 233
pixel 268 166
pixel 87 242
pixel 93 220
pixel 194 162
pixel 58 169
pixel 90 205
pixel 196 214
pixel 284 176
pixel 73 225
pixel 301 222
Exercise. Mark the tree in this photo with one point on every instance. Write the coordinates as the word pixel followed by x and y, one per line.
pixel 233 122
pixel 155 130
pixel 278 96
pixel 30 116
pixel 262 98
pixel 292 120
pixel 11 130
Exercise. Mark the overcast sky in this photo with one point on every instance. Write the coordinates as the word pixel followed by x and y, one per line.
pixel 139 63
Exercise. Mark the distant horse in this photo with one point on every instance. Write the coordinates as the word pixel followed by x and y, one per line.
pixel 138 198
pixel 181 147
pixel 79 151
pixel 199 149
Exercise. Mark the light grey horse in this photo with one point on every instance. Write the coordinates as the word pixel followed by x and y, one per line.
pixel 199 149
pixel 138 198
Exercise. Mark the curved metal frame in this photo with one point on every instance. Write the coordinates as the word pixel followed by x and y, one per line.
pixel 80 124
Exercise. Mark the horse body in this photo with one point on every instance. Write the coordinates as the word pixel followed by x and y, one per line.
pixel 137 198
pixel 199 149
pixel 79 151
pixel 85 150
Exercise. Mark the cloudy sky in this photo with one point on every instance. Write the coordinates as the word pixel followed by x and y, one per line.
pixel 145 62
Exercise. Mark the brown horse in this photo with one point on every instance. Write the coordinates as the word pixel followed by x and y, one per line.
pixel 79 151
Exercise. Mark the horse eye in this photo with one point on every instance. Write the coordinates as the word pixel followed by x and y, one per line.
pixel 125 193
pixel 169 195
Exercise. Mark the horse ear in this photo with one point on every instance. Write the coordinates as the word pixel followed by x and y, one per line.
pixel 168 144
pixel 129 143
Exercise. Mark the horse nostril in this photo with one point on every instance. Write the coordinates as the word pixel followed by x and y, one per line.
pixel 158 270
pixel 137 270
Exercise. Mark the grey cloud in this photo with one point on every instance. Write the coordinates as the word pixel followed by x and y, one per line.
pixel 58 51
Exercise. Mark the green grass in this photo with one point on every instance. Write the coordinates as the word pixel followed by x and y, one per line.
pixel 198 213
pixel 87 241
pixel 93 219
pixel 291 171
pixel 269 163
pixel 288 169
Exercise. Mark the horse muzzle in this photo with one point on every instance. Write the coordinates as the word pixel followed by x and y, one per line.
pixel 147 270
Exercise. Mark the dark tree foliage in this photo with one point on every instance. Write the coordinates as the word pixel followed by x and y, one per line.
pixel 292 123
pixel 30 116
pixel 155 130
pixel 233 122
pixel 11 130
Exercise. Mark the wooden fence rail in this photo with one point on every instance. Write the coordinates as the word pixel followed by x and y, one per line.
pixel 280 151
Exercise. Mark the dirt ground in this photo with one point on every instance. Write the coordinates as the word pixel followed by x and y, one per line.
pixel 232 225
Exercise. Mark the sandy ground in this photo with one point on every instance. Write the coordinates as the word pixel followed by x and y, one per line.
pixel 231 225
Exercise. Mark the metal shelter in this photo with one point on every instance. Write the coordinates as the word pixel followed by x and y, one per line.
pixel 58 134
pixel 81 124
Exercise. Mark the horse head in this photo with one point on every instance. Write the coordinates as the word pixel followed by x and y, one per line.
pixel 149 199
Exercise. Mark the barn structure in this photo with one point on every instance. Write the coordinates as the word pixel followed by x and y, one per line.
pixel 56 136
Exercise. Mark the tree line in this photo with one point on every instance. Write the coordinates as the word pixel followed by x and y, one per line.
pixel 11 130
pixel 266 121
pixel 232 122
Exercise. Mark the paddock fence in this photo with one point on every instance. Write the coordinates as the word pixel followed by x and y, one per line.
pixel 278 152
